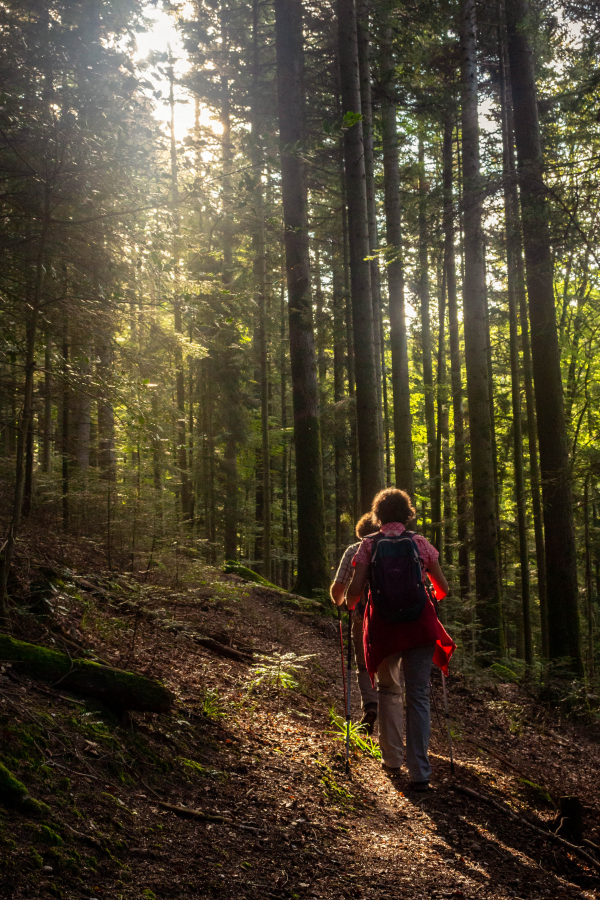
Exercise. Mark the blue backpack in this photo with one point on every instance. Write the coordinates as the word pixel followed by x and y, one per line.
pixel 395 578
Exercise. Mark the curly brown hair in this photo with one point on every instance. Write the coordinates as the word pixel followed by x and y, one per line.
pixel 366 525
pixel 392 505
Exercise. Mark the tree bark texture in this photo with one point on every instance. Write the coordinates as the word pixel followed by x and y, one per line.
pixel 228 365
pixel 182 461
pixel 368 409
pixel 511 212
pixel 106 416
pixel 403 454
pixel 364 68
pixel 47 426
pixel 426 334
pixel 312 557
pixel 460 463
pixel 475 306
pixel 260 284
pixel 561 560
pixel 27 410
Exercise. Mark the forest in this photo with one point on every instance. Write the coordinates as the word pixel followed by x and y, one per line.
pixel 260 261
pixel 368 261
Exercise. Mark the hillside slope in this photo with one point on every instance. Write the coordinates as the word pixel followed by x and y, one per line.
pixel 262 805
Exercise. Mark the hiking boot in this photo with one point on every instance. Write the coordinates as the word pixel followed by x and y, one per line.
pixel 421 787
pixel 368 720
pixel 392 771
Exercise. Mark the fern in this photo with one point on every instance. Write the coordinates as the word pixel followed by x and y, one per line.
pixel 359 739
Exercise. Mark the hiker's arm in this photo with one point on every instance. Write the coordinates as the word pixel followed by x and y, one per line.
pixel 337 592
pixel 436 576
pixel 357 585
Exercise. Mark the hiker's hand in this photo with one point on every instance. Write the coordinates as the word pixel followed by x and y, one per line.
pixel 436 576
pixel 337 593
pixel 357 585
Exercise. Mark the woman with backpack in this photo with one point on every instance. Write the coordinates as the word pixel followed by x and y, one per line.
pixel 401 628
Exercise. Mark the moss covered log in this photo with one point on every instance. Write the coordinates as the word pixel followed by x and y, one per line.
pixel 121 690
pixel 14 795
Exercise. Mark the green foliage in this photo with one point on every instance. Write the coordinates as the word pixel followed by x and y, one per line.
pixel 334 791
pixel 14 794
pixel 351 119
pixel 504 673
pixel 201 770
pixel 212 705
pixel 359 739
pixel 44 834
pixel 278 670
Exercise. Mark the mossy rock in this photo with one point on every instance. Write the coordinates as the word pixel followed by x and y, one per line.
pixel 14 795
pixel 539 791
pixel 504 674
pixel 231 567
pixel 118 689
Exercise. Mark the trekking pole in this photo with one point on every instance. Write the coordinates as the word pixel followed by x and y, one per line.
pixel 342 651
pixel 349 683
pixel 448 722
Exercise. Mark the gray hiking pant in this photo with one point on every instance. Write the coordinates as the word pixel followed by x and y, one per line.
pixel 416 664
pixel 368 694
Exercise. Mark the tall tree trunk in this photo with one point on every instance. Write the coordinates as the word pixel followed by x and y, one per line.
pixel 386 408
pixel 192 389
pixel 66 428
pixel 534 471
pixel 439 526
pixel 589 583
pixel 177 315
pixel 27 410
pixel 364 70
pixel 47 426
pixel 156 454
pixel 312 554
pixel 511 213
pixel 491 638
pixel 285 528
pixel 497 489
pixel 561 559
pixel 210 513
pixel 260 283
pixel 11 431
pixel 229 377
pixel 81 407
pixel 340 445
pixel 403 454
pixel 355 492
pixel 368 409
pixel 29 461
pixel 460 463
pixel 426 334
pixel 106 416
pixel 321 337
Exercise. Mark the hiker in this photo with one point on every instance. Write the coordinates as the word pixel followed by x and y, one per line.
pixel 389 643
pixel 343 577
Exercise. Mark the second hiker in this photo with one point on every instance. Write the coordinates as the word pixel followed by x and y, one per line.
pixel 343 577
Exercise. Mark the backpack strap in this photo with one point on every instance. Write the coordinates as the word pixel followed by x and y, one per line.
pixel 375 538
pixel 412 535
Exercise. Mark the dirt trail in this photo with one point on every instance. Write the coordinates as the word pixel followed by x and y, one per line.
pixel 262 759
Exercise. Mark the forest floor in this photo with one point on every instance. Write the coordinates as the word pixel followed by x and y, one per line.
pixel 260 758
